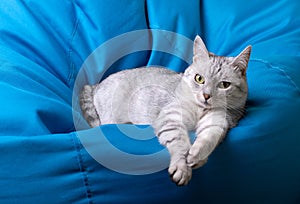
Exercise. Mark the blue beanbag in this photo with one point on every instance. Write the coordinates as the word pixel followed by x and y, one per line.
pixel 46 157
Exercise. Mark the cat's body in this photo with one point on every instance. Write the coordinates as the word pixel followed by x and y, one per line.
pixel 139 84
pixel 209 98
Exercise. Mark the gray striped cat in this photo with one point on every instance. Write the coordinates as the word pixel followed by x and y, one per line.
pixel 208 98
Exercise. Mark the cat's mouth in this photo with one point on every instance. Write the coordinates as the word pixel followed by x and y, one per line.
pixel 204 104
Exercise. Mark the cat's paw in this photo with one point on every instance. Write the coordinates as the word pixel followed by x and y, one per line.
pixel 180 172
pixel 195 159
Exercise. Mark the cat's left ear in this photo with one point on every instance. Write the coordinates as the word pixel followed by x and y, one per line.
pixel 241 61
pixel 200 50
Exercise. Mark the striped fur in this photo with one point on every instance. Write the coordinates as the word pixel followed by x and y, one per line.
pixel 87 106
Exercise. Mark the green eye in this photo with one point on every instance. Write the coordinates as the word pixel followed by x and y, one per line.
pixel 224 84
pixel 199 79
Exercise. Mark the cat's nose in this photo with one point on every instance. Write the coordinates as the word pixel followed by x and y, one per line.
pixel 206 96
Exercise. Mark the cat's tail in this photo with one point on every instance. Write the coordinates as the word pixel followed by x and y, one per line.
pixel 87 106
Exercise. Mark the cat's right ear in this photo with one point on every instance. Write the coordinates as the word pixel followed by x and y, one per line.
pixel 241 61
pixel 200 50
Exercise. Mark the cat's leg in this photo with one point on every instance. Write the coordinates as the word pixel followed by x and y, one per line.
pixel 210 131
pixel 173 134
pixel 178 145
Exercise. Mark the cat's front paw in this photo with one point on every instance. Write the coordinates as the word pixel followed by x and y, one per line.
pixel 195 158
pixel 180 172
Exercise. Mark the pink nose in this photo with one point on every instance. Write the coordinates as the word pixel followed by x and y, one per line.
pixel 206 96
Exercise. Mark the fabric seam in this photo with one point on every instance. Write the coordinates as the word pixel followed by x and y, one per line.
pixel 76 143
pixel 70 50
pixel 286 75
pixel 82 168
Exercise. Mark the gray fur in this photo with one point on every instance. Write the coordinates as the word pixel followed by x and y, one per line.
pixel 174 103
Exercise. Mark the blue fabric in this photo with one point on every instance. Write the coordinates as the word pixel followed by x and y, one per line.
pixel 42 48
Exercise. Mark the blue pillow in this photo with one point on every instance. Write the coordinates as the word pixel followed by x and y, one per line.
pixel 45 158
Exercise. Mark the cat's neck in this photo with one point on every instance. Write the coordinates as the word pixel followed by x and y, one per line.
pixel 184 94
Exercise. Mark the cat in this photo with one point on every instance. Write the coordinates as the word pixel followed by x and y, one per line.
pixel 208 98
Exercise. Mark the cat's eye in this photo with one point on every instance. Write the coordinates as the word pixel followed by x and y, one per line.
pixel 199 79
pixel 224 84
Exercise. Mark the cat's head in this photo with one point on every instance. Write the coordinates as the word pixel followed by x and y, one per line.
pixel 218 81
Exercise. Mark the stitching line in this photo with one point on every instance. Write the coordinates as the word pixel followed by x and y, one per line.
pixel 82 168
pixel 279 69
